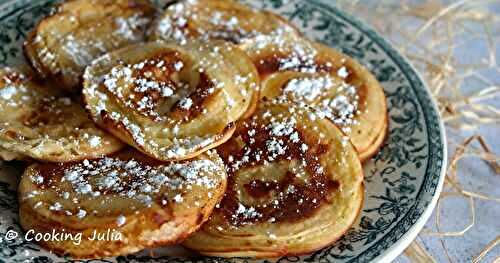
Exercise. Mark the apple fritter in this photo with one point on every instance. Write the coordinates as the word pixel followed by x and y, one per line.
pixel 331 83
pixel 64 43
pixel 294 186
pixel 38 122
pixel 172 101
pixel 226 20
pixel 143 203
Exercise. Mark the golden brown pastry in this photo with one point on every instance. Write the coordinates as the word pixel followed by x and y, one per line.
pixel 172 101
pixel 127 201
pixel 331 83
pixel 217 19
pixel 37 122
pixel 310 74
pixel 63 44
pixel 294 186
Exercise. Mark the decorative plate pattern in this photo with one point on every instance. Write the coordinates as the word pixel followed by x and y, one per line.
pixel 402 181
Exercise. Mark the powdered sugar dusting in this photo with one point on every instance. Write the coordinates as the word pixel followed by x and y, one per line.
pixel 44 121
pixel 331 98
pixel 89 38
pixel 212 23
pixel 277 164
pixel 159 88
pixel 129 178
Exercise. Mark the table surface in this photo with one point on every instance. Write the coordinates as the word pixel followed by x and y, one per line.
pixel 473 173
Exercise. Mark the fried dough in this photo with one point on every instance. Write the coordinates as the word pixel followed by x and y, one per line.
pixel 294 186
pixel 169 101
pixel 143 203
pixel 64 43
pixel 331 83
pixel 38 122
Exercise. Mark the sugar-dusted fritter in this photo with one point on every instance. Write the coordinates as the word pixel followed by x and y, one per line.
pixel 64 43
pixel 294 186
pixel 217 19
pixel 329 82
pixel 307 73
pixel 38 122
pixel 119 204
pixel 172 101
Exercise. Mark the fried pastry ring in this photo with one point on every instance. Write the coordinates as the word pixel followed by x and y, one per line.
pixel 332 83
pixel 136 201
pixel 38 122
pixel 172 101
pixel 226 20
pixel 63 44
pixel 294 186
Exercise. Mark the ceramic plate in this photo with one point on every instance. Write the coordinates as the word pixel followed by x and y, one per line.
pixel 402 182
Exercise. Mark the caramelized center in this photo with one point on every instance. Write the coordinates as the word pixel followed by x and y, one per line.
pixel 274 175
pixel 162 86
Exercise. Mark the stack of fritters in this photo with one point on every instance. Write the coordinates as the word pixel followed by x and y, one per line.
pixel 206 123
